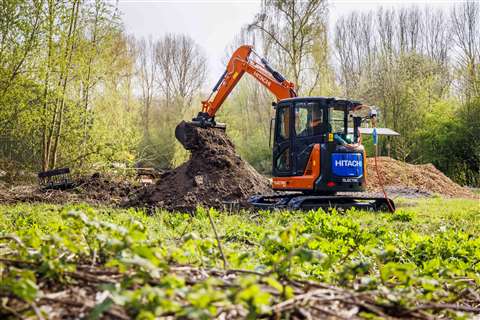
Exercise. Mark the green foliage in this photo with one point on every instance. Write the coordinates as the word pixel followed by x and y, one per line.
pixel 449 140
pixel 65 88
pixel 427 253
pixel 465 149
pixel 402 215
pixel 21 283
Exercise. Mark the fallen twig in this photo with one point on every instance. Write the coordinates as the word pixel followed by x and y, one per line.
pixel 13 238
pixel 444 306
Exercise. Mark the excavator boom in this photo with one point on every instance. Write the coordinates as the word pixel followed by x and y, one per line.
pixel 239 64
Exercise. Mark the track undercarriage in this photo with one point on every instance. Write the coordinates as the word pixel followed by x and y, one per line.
pixel 301 201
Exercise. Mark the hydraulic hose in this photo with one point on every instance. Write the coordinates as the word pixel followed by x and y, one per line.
pixel 380 179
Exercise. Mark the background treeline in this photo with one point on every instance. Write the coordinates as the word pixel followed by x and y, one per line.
pixel 66 85
pixel 76 90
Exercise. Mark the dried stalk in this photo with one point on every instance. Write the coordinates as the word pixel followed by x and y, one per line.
pixel 219 244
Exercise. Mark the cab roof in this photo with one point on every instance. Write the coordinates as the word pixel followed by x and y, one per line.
pixel 327 101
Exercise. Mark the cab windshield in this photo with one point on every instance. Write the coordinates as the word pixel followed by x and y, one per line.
pixel 337 120
pixel 340 120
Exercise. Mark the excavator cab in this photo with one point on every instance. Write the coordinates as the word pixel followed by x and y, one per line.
pixel 313 151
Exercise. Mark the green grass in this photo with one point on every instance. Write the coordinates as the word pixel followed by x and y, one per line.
pixel 429 216
pixel 428 250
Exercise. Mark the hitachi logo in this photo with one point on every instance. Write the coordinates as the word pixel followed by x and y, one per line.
pixel 262 79
pixel 348 163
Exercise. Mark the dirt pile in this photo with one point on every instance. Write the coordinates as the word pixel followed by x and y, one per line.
pixel 424 179
pixel 214 176
pixel 94 189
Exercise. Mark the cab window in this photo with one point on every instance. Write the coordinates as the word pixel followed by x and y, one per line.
pixel 308 119
pixel 337 120
pixel 283 122
pixel 283 161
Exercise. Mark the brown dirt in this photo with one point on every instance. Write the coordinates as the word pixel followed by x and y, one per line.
pixel 216 174
pixel 213 175
pixel 423 178
pixel 96 189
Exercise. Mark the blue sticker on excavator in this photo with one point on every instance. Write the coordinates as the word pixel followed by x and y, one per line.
pixel 347 164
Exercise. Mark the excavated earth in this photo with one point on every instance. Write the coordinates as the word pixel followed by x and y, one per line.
pixel 95 189
pixel 409 180
pixel 214 176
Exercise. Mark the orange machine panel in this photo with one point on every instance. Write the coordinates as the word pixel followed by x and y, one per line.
pixel 305 182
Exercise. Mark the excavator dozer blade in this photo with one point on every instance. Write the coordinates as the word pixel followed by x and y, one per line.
pixel 186 133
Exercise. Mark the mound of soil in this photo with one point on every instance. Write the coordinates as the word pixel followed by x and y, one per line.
pixel 422 179
pixel 94 189
pixel 214 176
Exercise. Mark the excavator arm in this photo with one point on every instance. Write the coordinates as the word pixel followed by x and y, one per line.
pixel 239 64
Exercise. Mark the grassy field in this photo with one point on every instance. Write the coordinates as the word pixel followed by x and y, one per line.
pixel 423 260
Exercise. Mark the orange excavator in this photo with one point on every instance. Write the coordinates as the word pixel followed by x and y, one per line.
pixel 317 152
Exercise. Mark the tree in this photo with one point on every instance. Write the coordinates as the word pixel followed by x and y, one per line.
pixel 465 26
pixel 54 126
pixel 171 72
pixel 182 70
pixel 293 30
pixel 56 58
pixel 147 73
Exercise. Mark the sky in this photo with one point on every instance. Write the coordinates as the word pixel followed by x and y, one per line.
pixel 213 24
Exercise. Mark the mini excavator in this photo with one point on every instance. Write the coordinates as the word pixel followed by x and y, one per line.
pixel 318 157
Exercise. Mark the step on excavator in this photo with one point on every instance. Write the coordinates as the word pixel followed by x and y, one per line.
pixel 318 157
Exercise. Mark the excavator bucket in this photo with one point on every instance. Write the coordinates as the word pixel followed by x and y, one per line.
pixel 185 132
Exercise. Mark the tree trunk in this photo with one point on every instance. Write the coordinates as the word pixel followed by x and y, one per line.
pixel 45 150
pixel 69 51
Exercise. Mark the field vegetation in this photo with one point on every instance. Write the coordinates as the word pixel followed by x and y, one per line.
pixel 76 260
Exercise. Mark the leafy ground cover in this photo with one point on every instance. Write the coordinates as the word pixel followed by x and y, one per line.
pixel 78 261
